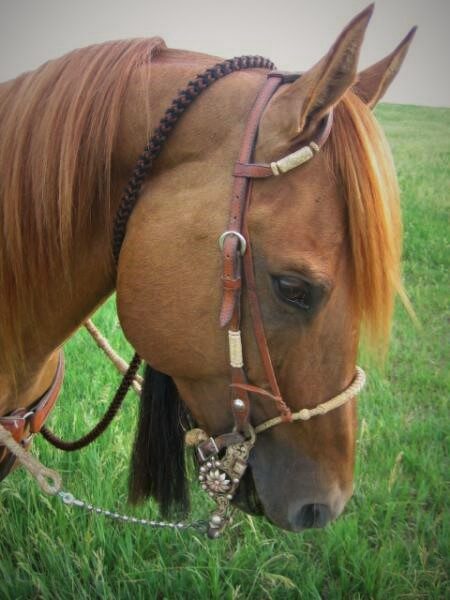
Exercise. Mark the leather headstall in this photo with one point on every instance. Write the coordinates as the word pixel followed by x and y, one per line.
pixel 224 459
pixel 238 261
pixel 23 423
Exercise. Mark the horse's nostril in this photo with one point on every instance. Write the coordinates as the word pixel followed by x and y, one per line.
pixel 313 515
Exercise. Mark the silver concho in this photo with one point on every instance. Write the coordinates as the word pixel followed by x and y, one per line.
pixel 216 481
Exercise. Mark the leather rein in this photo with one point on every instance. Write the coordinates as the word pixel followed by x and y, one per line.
pixel 223 459
pixel 23 423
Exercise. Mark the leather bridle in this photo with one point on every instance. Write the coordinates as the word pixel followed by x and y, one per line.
pixel 237 255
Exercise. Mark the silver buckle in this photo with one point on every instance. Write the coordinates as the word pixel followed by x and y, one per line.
pixel 240 237
pixel 204 458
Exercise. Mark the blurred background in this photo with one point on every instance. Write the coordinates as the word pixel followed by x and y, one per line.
pixel 293 33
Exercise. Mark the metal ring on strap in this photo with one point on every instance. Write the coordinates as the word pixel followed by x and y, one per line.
pixel 241 238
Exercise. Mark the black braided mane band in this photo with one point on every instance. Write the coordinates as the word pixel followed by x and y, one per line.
pixel 158 454
pixel 165 127
pixel 158 458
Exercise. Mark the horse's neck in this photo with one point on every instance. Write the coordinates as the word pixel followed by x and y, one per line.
pixel 92 282
pixel 61 305
pixel 69 298
pixel 92 274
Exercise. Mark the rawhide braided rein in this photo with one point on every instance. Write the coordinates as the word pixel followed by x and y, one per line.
pixel 105 421
pixel 128 202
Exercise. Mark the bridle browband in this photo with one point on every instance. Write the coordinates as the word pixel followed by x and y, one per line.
pixel 220 476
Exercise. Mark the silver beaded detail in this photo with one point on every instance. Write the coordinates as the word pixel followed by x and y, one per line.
pixel 69 500
pixel 216 519
pixel 238 404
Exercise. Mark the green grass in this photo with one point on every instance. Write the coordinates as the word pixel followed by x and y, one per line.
pixel 392 541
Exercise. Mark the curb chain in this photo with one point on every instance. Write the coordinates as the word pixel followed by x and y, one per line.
pixel 70 500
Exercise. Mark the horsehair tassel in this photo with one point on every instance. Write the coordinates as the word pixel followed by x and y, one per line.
pixel 49 481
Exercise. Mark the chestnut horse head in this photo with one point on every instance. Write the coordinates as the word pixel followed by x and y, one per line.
pixel 325 239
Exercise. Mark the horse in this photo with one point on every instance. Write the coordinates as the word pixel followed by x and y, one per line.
pixel 325 239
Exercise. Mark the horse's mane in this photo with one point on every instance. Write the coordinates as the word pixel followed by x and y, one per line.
pixel 362 161
pixel 58 125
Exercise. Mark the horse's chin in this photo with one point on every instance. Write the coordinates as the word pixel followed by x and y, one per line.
pixel 246 497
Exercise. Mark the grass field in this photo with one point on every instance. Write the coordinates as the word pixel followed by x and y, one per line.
pixel 392 541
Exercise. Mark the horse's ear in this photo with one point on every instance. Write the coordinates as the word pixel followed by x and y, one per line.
pixel 301 105
pixel 373 82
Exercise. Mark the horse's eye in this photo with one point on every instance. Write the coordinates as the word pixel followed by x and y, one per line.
pixel 294 290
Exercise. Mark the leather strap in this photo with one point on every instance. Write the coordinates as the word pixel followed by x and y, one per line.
pixel 263 170
pixel 231 258
pixel 24 422
pixel 260 335
pixel 252 170
pixel 244 170
pixel 232 252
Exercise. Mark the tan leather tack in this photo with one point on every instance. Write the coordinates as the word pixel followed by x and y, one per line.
pixel 24 422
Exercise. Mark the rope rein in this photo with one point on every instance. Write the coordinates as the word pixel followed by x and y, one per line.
pixel 49 481
pixel 105 421
pixel 120 364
